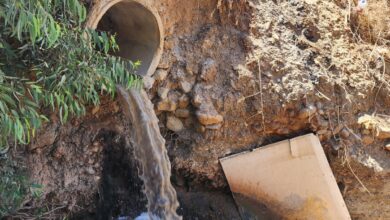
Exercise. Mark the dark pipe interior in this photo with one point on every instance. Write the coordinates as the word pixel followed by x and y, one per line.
pixel 137 32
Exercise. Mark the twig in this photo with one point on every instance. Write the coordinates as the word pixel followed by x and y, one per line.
pixel 249 96
pixel 348 15
pixel 383 80
pixel 261 95
pixel 258 113
pixel 323 95
pixel 53 210
pixel 353 173
pixel 353 133
pixel 331 126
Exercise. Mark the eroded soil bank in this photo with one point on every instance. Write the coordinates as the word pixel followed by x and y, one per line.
pixel 236 75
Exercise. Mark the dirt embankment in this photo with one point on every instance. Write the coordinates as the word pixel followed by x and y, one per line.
pixel 235 75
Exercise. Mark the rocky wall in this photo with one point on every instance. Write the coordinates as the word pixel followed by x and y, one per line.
pixel 236 75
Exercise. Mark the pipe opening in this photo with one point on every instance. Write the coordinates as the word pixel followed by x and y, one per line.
pixel 137 33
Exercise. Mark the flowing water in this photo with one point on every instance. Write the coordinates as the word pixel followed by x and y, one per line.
pixel 150 151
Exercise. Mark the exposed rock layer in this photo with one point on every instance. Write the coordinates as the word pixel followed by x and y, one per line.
pixel 247 73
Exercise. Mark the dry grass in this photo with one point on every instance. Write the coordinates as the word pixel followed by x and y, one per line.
pixel 373 23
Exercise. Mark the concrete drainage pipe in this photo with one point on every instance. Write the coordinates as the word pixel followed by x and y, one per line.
pixel 137 26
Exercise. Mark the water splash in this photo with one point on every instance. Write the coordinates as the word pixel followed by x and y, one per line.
pixel 150 151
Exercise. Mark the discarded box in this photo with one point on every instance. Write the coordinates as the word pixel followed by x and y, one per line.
pixel 286 180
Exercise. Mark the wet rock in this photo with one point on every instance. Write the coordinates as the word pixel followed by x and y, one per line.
pixel 182 113
pixel 307 112
pixel 160 75
pixel 207 115
pixel 148 82
pixel 163 92
pixel 174 124
pixel 209 70
pixel 184 101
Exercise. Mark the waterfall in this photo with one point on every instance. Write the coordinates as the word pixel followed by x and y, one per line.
pixel 150 151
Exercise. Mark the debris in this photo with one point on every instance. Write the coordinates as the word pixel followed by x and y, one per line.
pixel 387 146
pixel 362 5
pixel 379 125
pixel 272 176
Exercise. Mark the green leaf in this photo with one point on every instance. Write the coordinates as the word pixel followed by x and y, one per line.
pixel 48 62
pixel 8 100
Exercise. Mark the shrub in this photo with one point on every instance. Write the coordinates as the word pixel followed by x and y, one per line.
pixel 48 60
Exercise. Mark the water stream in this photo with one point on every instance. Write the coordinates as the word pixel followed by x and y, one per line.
pixel 150 151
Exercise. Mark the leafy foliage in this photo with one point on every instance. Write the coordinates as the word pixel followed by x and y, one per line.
pixel 15 188
pixel 48 60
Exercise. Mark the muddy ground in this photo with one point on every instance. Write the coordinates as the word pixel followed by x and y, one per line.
pixel 236 75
